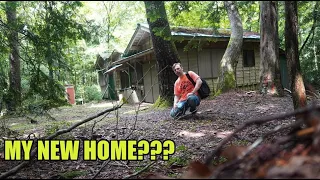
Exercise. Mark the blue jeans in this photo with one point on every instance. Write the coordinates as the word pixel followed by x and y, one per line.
pixel 193 101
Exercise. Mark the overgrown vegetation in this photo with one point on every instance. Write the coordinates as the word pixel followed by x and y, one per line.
pixel 92 93
pixel 162 103
pixel 181 157
pixel 58 44
pixel 53 127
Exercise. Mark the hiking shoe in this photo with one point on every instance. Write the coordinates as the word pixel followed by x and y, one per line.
pixel 188 112
pixel 178 115
pixel 193 111
pixel 185 110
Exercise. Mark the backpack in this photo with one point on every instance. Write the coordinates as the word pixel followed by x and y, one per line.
pixel 204 90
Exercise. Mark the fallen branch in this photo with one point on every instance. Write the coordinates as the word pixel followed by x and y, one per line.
pixel 138 172
pixel 252 146
pixel 137 111
pixel 211 156
pixel 62 131
pixel 105 163
pixel 285 89
pixel 29 136
pixel 119 164
pixel 95 122
pixel 136 118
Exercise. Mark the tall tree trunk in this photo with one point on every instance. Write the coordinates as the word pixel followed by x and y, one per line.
pixel 48 55
pixel 14 97
pixel 164 48
pixel 270 75
pixel 229 60
pixel 291 43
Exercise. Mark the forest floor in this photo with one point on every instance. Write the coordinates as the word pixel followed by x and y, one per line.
pixel 195 137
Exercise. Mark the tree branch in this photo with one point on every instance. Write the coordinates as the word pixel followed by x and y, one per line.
pixel 257 121
pixel 105 163
pixel 252 146
pixel 138 172
pixel 62 131
pixel 312 28
pixel 136 118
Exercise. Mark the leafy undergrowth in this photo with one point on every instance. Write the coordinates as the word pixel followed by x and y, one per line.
pixel 277 155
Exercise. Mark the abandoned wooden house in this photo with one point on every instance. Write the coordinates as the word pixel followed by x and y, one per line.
pixel 200 50
pixel 106 79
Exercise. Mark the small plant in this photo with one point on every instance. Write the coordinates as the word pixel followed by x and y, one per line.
pixel 221 160
pixel 217 93
pixel 161 103
pixel 178 161
pixel 79 92
pixel 56 126
pixel 173 175
pixel 137 169
pixel 181 159
pixel 124 101
pixel 73 174
pixel 241 142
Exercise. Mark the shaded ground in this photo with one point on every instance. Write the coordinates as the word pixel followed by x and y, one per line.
pixel 194 136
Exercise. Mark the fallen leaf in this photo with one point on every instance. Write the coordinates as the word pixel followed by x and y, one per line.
pixel 197 170
pixel 156 176
pixel 281 162
pixel 262 171
pixel 306 131
pixel 175 166
pixel 293 168
pixel 233 152
pixel 298 149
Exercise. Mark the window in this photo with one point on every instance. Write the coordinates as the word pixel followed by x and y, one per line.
pixel 248 58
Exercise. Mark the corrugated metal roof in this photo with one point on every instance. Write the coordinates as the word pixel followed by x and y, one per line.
pixel 139 54
pixel 112 68
pixel 206 32
pixel 142 31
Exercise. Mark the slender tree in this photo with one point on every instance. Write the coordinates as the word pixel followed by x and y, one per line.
pixel 270 75
pixel 164 48
pixel 291 44
pixel 13 99
pixel 54 28
pixel 229 60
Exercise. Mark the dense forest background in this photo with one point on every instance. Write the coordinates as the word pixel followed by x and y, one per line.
pixel 57 42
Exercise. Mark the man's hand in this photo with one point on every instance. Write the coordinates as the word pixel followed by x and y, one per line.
pixel 175 102
pixel 190 94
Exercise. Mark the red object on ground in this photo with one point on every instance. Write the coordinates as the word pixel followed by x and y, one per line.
pixel 70 94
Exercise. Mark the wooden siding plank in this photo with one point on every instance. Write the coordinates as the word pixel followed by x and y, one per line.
pixel 117 79
pixel 205 63
pixel 155 88
pixel 216 55
pixel 147 82
pixel 193 64
pixel 183 59
pixel 247 75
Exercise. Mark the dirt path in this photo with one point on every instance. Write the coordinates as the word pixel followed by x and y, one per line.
pixel 194 137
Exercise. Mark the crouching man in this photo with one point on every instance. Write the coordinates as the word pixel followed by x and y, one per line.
pixel 185 93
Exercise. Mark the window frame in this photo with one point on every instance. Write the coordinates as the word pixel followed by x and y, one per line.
pixel 246 58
